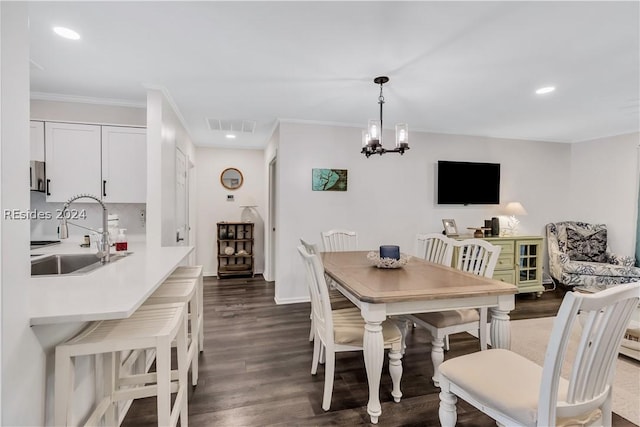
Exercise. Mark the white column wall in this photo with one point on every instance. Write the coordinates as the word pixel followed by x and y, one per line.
pixel 165 132
pixel 23 360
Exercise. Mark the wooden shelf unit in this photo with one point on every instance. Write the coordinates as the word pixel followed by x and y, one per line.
pixel 238 236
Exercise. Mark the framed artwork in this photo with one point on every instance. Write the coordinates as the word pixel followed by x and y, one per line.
pixel 329 179
pixel 450 228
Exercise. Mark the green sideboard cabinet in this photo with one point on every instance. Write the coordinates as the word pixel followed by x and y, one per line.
pixel 520 261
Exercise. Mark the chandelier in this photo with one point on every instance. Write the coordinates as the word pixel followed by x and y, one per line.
pixel 372 137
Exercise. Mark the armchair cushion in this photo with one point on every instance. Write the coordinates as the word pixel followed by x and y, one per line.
pixel 587 245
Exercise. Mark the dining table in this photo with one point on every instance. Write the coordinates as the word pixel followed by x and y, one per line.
pixel 419 286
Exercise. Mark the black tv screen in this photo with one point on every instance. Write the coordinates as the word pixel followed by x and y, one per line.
pixel 467 183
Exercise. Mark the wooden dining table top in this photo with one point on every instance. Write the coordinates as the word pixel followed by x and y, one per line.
pixel 417 280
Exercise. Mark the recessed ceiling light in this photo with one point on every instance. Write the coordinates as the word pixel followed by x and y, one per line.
pixel 66 33
pixel 546 89
pixel 230 136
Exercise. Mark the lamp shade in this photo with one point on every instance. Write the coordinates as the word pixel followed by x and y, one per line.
pixel 514 208
pixel 249 202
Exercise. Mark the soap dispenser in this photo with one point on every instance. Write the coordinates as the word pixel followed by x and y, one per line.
pixel 121 241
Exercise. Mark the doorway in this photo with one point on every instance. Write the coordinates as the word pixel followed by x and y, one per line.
pixel 182 200
pixel 272 219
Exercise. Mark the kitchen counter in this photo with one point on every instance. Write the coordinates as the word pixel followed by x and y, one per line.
pixel 112 291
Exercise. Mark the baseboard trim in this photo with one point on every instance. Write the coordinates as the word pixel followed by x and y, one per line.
pixel 297 300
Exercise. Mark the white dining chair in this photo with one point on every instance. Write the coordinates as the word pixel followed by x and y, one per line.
pixel 339 240
pixel 516 391
pixel 336 299
pixel 342 330
pixel 434 247
pixel 475 256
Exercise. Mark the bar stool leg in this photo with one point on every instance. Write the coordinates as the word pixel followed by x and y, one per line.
pixel 201 313
pixel 195 338
pixel 183 367
pixel 63 387
pixel 163 370
pixel 110 370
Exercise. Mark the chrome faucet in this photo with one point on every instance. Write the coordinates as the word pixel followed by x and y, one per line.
pixel 103 243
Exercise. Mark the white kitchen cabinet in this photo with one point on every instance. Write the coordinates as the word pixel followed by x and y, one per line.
pixel 72 156
pixel 124 164
pixel 37 141
pixel 109 162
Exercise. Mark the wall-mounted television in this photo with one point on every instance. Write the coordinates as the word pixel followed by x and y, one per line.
pixel 468 183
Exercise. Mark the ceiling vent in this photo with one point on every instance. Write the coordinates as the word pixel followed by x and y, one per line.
pixel 238 125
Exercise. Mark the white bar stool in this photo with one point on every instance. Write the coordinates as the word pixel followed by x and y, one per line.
pixel 183 291
pixel 153 326
pixel 193 272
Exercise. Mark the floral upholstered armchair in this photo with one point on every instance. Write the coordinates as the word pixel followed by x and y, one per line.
pixel 579 256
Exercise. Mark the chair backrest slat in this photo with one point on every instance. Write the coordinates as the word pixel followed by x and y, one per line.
pixel 476 256
pixel 434 247
pixel 339 240
pixel 603 318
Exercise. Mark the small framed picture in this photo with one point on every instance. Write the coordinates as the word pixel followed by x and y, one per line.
pixel 450 228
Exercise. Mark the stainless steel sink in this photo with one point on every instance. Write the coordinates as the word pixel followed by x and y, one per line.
pixel 64 264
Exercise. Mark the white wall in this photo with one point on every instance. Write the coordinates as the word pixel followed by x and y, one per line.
pixel 212 205
pixel 604 187
pixel 392 197
pixel 23 360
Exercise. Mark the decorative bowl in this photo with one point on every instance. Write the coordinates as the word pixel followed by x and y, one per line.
pixel 229 250
pixel 375 260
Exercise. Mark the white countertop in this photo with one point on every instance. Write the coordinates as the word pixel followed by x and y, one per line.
pixel 111 291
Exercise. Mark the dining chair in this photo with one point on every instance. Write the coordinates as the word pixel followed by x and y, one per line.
pixel 475 256
pixel 339 240
pixel 336 299
pixel 342 330
pixel 516 391
pixel 434 247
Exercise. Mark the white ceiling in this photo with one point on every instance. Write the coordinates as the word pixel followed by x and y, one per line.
pixel 455 67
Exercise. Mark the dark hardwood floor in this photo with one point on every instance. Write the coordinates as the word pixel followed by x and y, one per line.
pixel 255 368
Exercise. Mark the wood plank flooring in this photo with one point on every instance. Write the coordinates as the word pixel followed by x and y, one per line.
pixel 255 368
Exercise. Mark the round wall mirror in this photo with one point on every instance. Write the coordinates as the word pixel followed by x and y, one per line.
pixel 231 178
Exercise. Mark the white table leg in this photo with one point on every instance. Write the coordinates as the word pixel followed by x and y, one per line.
pixel 373 350
pixel 500 328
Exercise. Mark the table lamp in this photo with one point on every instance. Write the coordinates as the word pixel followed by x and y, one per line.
pixel 248 214
pixel 512 209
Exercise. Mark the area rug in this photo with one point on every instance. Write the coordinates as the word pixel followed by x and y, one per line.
pixel 529 338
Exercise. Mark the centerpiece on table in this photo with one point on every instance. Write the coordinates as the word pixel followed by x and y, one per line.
pixel 389 256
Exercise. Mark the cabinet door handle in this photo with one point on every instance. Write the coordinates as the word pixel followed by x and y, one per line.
pixel 48 184
pixel 104 188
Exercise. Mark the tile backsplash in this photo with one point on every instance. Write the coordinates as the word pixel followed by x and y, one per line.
pixel 129 216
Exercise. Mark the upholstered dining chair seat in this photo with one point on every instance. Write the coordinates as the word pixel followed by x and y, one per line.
pixel 442 319
pixel 348 327
pixel 515 392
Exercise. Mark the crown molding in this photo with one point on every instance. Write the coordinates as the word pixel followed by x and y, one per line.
pixel 58 97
